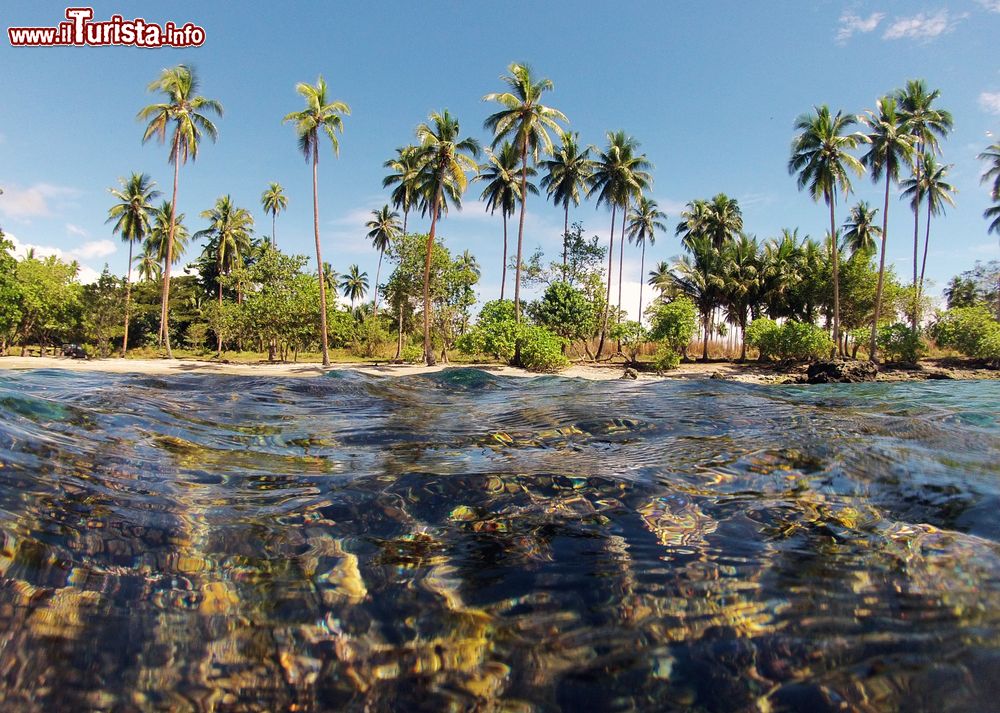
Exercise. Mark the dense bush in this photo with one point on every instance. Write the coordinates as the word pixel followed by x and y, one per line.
pixel 971 330
pixel 666 359
pixel 631 335
pixel 412 354
pixel 498 333
pixel 564 310
pixel 369 337
pixel 674 323
pixel 898 342
pixel 795 341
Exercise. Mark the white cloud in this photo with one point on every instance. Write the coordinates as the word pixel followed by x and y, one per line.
pixel 851 24
pixel 990 102
pixel 93 249
pixel 34 201
pixel 922 26
pixel 86 274
pixel 76 230
pixel 990 5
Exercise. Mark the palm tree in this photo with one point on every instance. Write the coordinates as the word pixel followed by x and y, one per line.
pixel 993 214
pixel 503 191
pixel 444 159
pixel 937 191
pixel 926 124
pixel 132 220
pixel 229 232
pixel 647 218
pixel 860 230
pixel 273 201
pixel 186 111
pixel 891 148
pixel 819 155
pixel 992 156
pixel 326 115
pixel 158 241
pixel 660 277
pixel 722 220
pixel 383 229
pixel 618 175
pixel 743 280
pixel 566 174
pixel 354 284
pixel 525 119
pixel 700 276
pixel 406 178
pixel 148 265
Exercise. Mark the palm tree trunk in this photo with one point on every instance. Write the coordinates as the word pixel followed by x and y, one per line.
pixel 520 230
pixel 565 237
pixel 319 257
pixel 399 335
pixel 165 295
pixel 923 263
pixel 642 268
pixel 274 239
pixel 428 349
pixel 503 273
pixel 743 338
pixel 836 274
pixel 872 344
pixel 378 271
pixel 406 213
pixel 128 296
pixel 607 299
pixel 621 264
pixel 916 231
pixel 706 328
pixel 218 333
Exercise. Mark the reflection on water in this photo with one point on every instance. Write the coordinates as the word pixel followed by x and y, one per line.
pixel 465 542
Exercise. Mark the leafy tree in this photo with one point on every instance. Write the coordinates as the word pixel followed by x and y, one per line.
pixel 319 114
pixel 186 111
pixel 131 215
pixel 891 147
pixel 674 323
pixel 819 156
pixel 525 120
pixel 10 295
pixel 566 311
pixel 631 335
pixel 49 301
pixel 103 309
pixel 273 200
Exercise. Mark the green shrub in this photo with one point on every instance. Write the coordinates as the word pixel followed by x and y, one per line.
pixel 412 354
pixel 632 336
pixel 666 359
pixel 369 337
pixel 795 341
pixel 674 322
pixel 541 350
pixel 898 342
pixel 970 330
pixel 564 310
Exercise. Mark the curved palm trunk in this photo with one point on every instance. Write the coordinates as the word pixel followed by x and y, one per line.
pixel 923 263
pixel 520 231
pixel 428 349
pixel 565 237
pixel 621 264
pixel 128 297
pixel 916 233
pixel 872 343
pixel 219 333
pixel 836 276
pixel 743 337
pixel 165 295
pixel 607 298
pixel 503 277
pixel 642 268
pixel 319 257
pixel 378 271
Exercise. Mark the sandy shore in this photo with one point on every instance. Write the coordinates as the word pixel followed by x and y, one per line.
pixel 750 372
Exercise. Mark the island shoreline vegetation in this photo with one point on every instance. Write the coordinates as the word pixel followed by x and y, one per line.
pixel 785 299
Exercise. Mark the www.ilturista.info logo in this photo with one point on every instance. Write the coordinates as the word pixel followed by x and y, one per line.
pixel 80 31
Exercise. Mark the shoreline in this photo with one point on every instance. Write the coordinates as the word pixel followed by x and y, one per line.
pixel 749 372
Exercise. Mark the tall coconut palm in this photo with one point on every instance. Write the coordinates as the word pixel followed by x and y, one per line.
pixel 743 280
pixel 618 176
pixel 891 149
pixel 273 200
pixel 320 114
pixel 992 157
pixel 566 174
pixel 819 156
pixel 158 241
pixel 503 191
pixel 927 124
pixel 860 230
pixel 660 278
pixel 148 264
pixel 185 111
pixel 354 284
pixel 700 276
pixel 647 218
pixel 406 178
pixel 937 191
pixel 383 228
pixel 132 221
pixel 445 159
pixel 722 220
pixel 527 121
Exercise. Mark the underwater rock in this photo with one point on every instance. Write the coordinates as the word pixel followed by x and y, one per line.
pixel 841 371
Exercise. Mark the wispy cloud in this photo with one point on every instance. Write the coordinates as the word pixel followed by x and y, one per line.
pixel 850 24
pixel 990 102
pixel 34 201
pixel 76 230
pixel 93 249
pixel 990 5
pixel 922 26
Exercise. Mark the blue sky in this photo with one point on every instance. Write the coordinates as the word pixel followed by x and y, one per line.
pixel 710 89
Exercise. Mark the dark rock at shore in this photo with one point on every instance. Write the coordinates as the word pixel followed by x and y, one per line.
pixel 630 373
pixel 841 372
